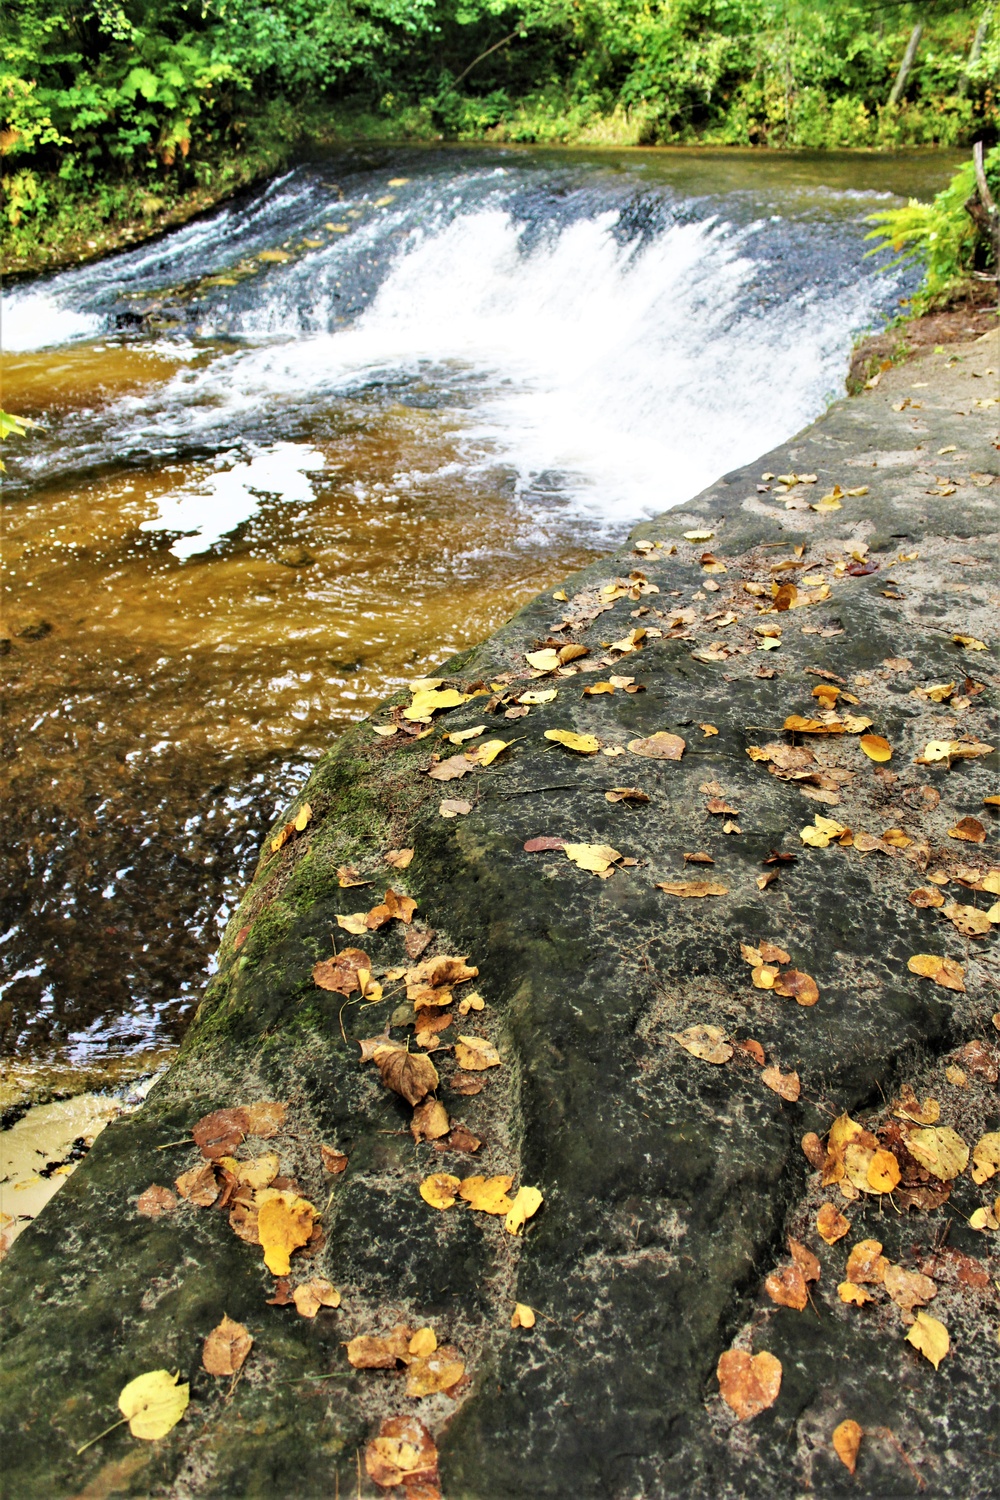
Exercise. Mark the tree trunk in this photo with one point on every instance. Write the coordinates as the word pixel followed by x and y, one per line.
pixel 904 68
pixel 974 50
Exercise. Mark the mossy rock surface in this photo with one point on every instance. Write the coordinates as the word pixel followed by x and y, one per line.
pixel 670 1184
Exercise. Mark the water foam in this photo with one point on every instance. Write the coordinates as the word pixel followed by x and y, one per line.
pixel 38 320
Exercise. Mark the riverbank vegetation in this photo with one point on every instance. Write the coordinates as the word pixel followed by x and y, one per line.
pixel 125 117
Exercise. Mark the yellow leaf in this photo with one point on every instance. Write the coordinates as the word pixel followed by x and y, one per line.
pixel 970 642
pixel 875 747
pixel 488 1195
pixel 461 735
pixel 259 1172
pixel 698 536
pixel 598 858
pixel 475 1053
pixel 523 1316
pixel 302 817
pixel 440 1189
pixel 153 1403
pixel 883 1172
pixel 583 744
pixel 708 730
pixel 538 696
pixel 815 837
pixel 428 1374
pixel 848 1292
pixel 748 1383
pixel 398 181
pixel 527 1202
pixel 705 1042
pixel 691 888
pixel 384 202
pixel 284 1222
pixel 427 701
pixel 940 1150
pixel 831 1224
pixel 846 1442
pixel 278 257
pixel 423 1342
pixel 930 1337
pixel 311 1295
pixel 986 1157
pixel 944 971
pixel 543 661
pixel 487 753
pixel 355 923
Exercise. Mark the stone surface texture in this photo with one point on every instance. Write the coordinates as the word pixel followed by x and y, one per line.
pixel 670 1184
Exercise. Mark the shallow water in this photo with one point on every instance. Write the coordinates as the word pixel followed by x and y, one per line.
pixel 266 491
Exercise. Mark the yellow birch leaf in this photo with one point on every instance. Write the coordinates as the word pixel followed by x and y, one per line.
pixel 875 747
pixel 153 1403
pixel 423 1342
pixel 986 1157
pixel 487 753
pixel 355 923
pixel 969 642
pixel 538 696
pixel 523 1316
pixel 848 1292
pixel 583 744
pixel 705 1042
pixel 475 1053
pixel 940 1150
pixel 311 1295
pixel 487 1195
pixel 543 661
pixel 527 1202
pixel 284 1223
pixel 461 735
pixel 440 1189
pixel 846 1441
pixel 930 1337
pixel 598 858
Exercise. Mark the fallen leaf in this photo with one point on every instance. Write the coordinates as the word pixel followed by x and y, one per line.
pixel 543 661
pixel 258 1172
pixel 659 746
pixel 752 1049
pixel 625 794
pixel 700 858
pixel 440 1189
pixel 969 642
pixel 355 923
pixel 451 769
pixel 333 1160
pixel 846 1441
pixel 583 744
pixel 794 985
pixel 806 1261
pixel 398 858
pixel 523 1316
pixel 409 1074
pixel 453 807
pixel 847 1291
pixel 985 1157
pixel 310 1296
pixel 474 1001
pixel 930 1337
pixel 705 1042
pixel 475 1053
pixel 487 1195
pixel 599 859
pixel 284 1223
pixel 883 1174
pixel 944 971
pixel 393 905
pixel 404 1453
pixel 940 1150
pixel 462 1139
pixel 785 1084
pixel 340 974
pixel 430 1121
pixel 428 701
pixel 763 976
pixel 543 843
pixel 199 1185
pixel 429 1374
pixel 156 1200
pixel 908 1289
pixel 691 888
pixel 348 876
pixel 153 1403
pixel 220 1132
pixel 968 829
pixel 968 920
pixel 925 896
pixel 264 1119
pixel 875 747
pixel 538 696
pixel 226 1347
pixel 465 1083
pixel 243 1222
pixel 908 1107
pixel 748 1384
pixel 527 1202
pixel 866 1263
pixel 787 1287
pixel 371 1351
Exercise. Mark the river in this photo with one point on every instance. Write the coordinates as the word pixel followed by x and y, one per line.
pixel 299 450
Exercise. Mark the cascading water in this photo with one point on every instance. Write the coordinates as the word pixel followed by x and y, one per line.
pixel 303 448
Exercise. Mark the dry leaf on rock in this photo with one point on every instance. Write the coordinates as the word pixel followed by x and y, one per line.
pixel 925 896
pixel 705 1042
pixel 243 1222
pixel 749 1384
pixel 403 1453
pixel 427 701
pixel 970 642
pixel 849 1292
pixel 908 1107
pixel 875 747
pixel 866 1263
pixel 625 794
pixel 940 1150
pixel 440 1189
pixel 340 974
pixel 692 888
pixel 264 1119
pixel 543 843
pixel 462 1139
pixel 454 807
pixel 787 1287
pixel 258 1172
pixel 333 1160
pixel 355 923
pixel 310 1296
pixel 410 1074
pixel 226 1347
pixel 380 1351
pixel 806 1261
pixel 908 1289
pixel 465 1083
pixel 527 1202
pixel 475 1053
pixel 487 1194
pixel 430 1373
pixel 787 1085
pixel 583 744
pixel 430 1121
pixel 394 905
pixel 930 1337
pixel 846 1441
pixel 599 859
pixel 659 746
pixel 968 920
pixel 882 1174
pixel 398 858
pixel 156 1200
pixel 423 1342
pixel 153 1403
pixel 523 1316
pixel 284 1223
pixel 348 876
pixel 199 1185
pixel 794 985
pixel 220 1132
pixel 969 829
pixel 985 1157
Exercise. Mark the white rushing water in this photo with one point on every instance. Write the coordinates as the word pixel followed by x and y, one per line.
pixel 617 376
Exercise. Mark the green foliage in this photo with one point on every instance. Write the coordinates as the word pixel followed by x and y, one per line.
pixel 941 236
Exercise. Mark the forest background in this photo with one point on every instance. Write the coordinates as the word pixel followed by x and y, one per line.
pixel 123 118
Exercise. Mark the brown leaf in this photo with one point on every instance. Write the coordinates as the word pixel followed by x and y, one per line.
pixel 243 1222
pixel 805 1260
pixel 698 859
pixel 435 1372
pixel 925 896
pixel 398 858
pixel 348 876
pixel 969 829
pixel 475 1053
pixel 199 1185
pixel 705 1042
pixel 311 1295
pixel 340 974
pixel 772 954
pixel 797 986
pixel 755 1050
pixel 219 1133
pixel 404 1453
pixel 282 1293
pixel 748 1384
pixel 430 1121
pixel 846 1442
pixel 660 746
pixel 451 769
pixel 409 1074
pixel 264 1119
pixel 625 794
pixel 831 1224
pixel 866 1263
pixel 333 1160
pixel 226 1347
pixel 944 971
pixel 462 1139
pixel 785 1084
pixel 693 888
pixel 543 842
pixel 417 940
pixel 394 905
pixel 465 1083
pixel 813 1149
pixel 720 805
pixel 787 1287
pixel 380 1351
pixel 454 807
pixel 157 1200
pixel 908 1289
pixel 968 920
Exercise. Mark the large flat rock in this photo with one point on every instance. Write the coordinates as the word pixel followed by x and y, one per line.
pixel 671 1184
